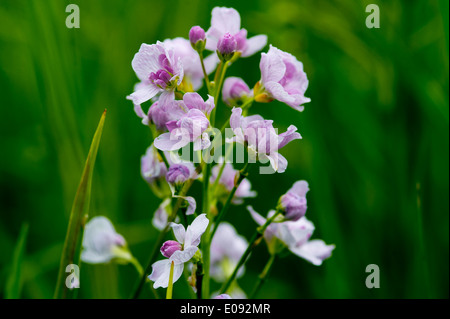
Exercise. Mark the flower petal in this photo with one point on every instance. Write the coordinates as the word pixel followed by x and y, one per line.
pixel 183 256
pixel 314 251
pixel 195 231
pixel 255 44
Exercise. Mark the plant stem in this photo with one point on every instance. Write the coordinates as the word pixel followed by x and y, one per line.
pixel 163 232
pixel 218 88
pixel 263 276
pixel 170 286
pixel 242 174
pixel 254 241
pixel 199 279
pixel 208 84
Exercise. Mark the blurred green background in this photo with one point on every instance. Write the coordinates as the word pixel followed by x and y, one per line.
pixel 375 139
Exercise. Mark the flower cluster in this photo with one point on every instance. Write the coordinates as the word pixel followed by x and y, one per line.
pixel 170 99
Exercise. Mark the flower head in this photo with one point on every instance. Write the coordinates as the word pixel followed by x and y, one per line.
pixel 177 174
pixel 188 239
pixel 190 127
pixel 295 235
pixel 228 20
pixel 226 46
pixel 235 91
pixel 196 35
pixel 261 138
pixel 101 242
pixel 282 78
pixel 158 71
pixel 293 202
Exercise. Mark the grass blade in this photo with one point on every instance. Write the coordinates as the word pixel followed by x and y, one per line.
pixel 79 210
pixel 14 281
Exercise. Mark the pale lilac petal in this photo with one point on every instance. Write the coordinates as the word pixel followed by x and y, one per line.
pixel 161 215
pixel 288 136
pixel 257 217
pixel 300 188
pixel 179 232
pixel 236 118
pixel 161 273
pixel 196 230
pixel 183 256
pixel 143 94
pixel 171 141
pixel 278 162
pixel 146 60
pixel 272 68
pixel 254 44
pixel 314 251
pixel 278 92
pixel 139 112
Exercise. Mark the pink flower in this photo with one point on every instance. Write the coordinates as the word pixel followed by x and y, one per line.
pixel 262 139
pixel 234 90
pixel 159 72
pixel 190 61
pixel 295 235
pixel 228 20
pixel 283 79
pixel 294 201
pixel 190 127
pixel 189 239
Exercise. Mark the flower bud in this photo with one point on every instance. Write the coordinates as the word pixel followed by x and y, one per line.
pixel 169 247
pixel 235 91
pixel 197 37
pixel 226 47
pixel 177 174
pixel 293 203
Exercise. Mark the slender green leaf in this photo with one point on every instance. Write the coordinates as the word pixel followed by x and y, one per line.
pixel 80 209
pixel 13 284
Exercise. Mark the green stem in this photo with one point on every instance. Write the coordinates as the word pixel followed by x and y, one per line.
pixel 217 89
pixel 254 241
pixel 199 279
pixel 170 286
pixel 242 174
pixel 263 276
pixel 163 232
pixel 208 84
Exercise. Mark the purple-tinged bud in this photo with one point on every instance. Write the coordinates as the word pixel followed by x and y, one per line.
pixel 235 90
pixel 177 174
pixel 293 203
pixel 169 247
pixel 226 47
pixel 197 37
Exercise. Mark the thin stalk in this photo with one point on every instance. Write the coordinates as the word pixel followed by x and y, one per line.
pixel 208 84
pixel 199 279
pixel 242 174
pixel 170 286
pixel 163 232
pixel 254 241
pixel 217 89
pixel 263 276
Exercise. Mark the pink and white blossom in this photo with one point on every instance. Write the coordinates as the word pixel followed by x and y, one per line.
pixel 234 90
pixel 294 201
pixel 296 236
pixel 101 243
pixel 190 127
pixel 159 71
pixel 261 138
pixel 189 239
pixel 227 20
pixel 283 78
